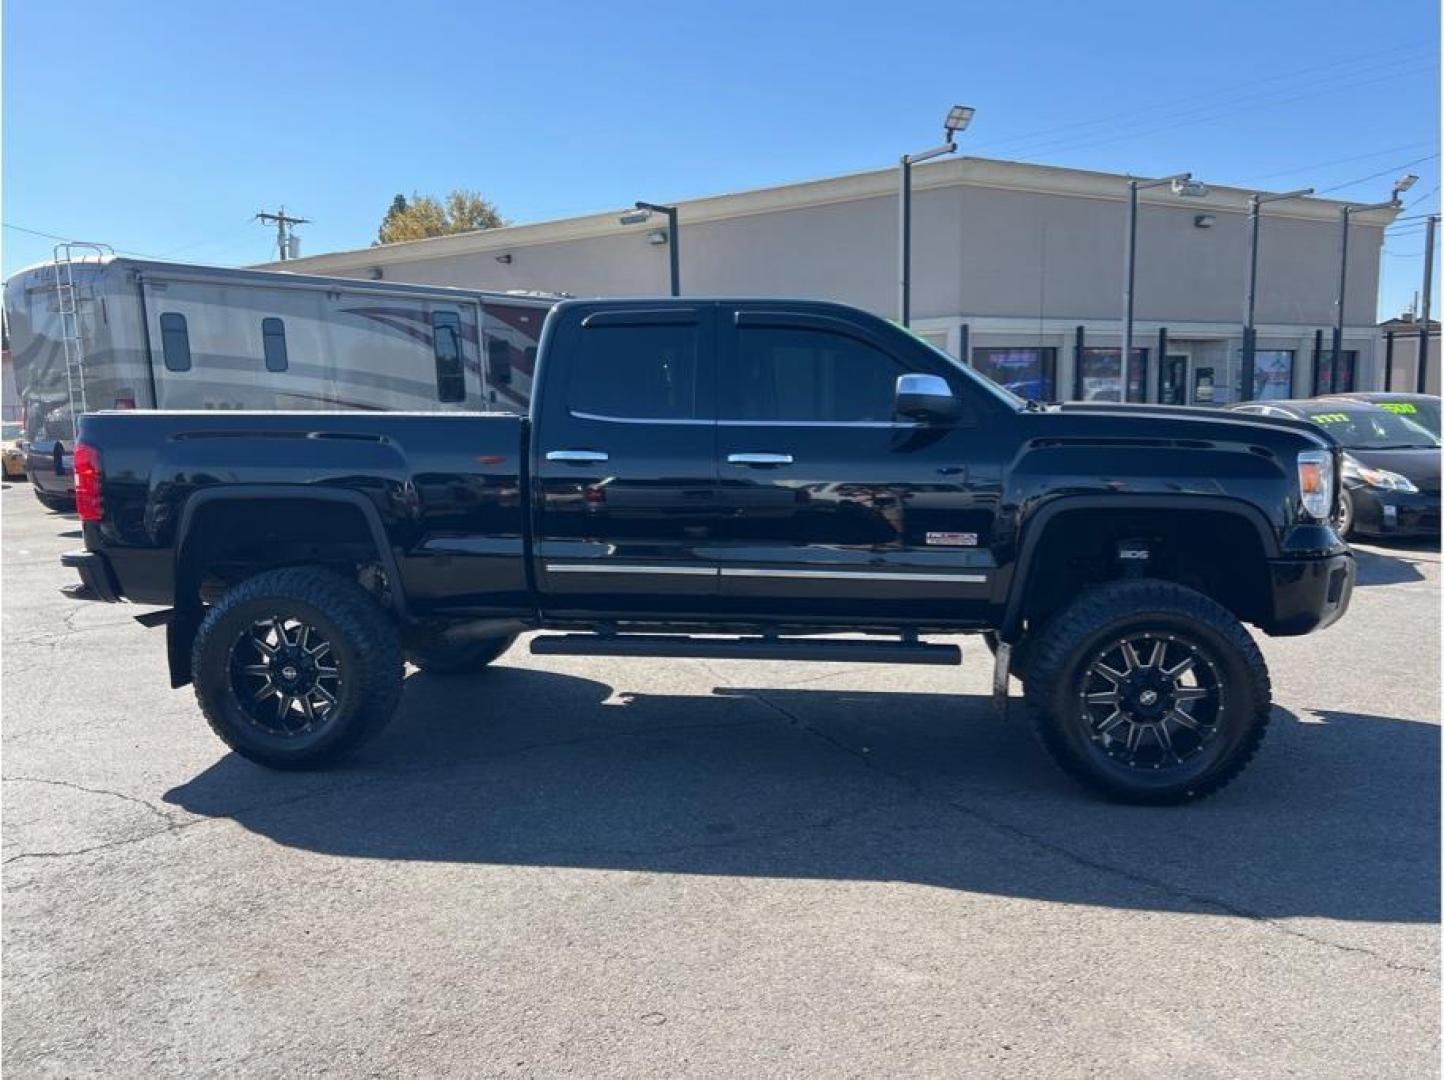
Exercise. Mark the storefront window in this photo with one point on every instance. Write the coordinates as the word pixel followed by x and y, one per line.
pixel 1331 378
pixel 1101 377
pixel 1029 373
pixel 1273 374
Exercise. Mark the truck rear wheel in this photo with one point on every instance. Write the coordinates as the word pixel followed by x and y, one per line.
pixel 438 657
pixel 1148 692
pixel 295 668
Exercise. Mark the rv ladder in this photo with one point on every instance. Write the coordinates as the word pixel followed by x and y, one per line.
pixel 71 334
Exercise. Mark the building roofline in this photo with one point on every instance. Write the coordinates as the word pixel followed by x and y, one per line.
pixel 850 187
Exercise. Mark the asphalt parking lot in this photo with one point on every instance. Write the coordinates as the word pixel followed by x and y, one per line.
pixel 603 867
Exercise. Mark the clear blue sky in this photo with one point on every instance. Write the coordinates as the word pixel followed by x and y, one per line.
pixel 162 127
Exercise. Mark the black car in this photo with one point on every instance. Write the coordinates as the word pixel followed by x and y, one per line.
pixel 1391 462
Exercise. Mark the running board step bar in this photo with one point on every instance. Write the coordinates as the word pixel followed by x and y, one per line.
pixel 746 648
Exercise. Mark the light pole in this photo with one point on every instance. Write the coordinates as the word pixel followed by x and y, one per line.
pixel 1251 292
pixel 958 118
pixel 643 211
pixel 1421 370
pixel 1401 185
pixel 1182 185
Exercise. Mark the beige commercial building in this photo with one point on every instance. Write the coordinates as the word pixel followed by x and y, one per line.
pixel 1017 268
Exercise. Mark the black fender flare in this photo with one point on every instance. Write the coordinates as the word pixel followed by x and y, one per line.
pixel 184 621
pixel 1036 526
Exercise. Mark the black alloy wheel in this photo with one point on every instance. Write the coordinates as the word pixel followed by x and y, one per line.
pixel 285 676
pixel 1151 701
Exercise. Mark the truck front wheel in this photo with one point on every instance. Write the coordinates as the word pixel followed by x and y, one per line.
pixel 295 668
pixel 1148 692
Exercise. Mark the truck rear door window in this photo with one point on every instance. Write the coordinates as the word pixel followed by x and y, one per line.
pixel 175 342
pixel 797 374
pixel 450 369
pixel 273 341
pixel 639 372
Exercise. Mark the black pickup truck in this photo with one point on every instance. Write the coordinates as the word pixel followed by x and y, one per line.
pixel 730 478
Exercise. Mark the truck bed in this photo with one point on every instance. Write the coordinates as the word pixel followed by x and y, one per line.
pixel 445 490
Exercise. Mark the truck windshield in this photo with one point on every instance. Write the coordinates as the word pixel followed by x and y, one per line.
pixel 1372 429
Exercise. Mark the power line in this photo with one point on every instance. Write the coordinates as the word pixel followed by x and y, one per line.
pixel 67 239
pixel 1336 161
pixel 1368 60
pixel 1375 176
pixel 1209 114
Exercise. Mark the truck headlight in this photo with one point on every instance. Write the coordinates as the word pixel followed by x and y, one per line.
pixel 1378 478
pixel 1316 482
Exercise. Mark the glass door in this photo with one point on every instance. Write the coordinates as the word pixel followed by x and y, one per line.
pixel 1173 380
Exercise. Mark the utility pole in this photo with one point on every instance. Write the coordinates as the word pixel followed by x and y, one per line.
pixel 1422 377
pixel 283 223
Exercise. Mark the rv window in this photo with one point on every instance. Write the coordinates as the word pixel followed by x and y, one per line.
pixel 450 376
pixel 273 341
pixel 175 341
pixel 498 361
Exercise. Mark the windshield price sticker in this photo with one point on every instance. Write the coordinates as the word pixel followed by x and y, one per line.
pixel 1404 407
pixel 1330 418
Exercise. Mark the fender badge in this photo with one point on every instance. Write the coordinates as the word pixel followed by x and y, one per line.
pixel 952 539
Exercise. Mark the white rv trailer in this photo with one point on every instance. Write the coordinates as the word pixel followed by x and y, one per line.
pixel 104 332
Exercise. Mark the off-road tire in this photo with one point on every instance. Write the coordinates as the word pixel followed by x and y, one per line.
pixel 437 657
pixel 363 639
pixel 61 504
pixel 1068 644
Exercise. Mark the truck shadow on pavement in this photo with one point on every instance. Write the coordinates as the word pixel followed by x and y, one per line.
pixel 1396 564
pixel 1338 818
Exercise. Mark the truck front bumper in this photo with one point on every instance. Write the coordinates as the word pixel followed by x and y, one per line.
pixel 1310 594
pixel 95 574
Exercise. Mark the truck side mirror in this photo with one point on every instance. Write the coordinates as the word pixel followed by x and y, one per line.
pixel 925 397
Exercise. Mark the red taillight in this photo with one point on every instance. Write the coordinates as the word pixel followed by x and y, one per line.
pixel 87 482
pixel 127 402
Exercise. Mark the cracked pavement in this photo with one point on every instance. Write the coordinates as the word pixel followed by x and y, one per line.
pixel 641 867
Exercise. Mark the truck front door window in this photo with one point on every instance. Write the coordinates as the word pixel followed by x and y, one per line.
pixel 636 373
pixel 795 374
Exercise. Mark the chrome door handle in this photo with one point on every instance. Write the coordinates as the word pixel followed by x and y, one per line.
pixel 576 457
pixel 759 459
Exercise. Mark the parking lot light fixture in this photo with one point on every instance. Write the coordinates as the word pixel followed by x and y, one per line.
pixel 1251 289
pixel 1401 185
pixel 644 210
pixel 1179 182
pixel 957 119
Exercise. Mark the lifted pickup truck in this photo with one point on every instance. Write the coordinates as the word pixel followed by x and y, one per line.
pixel 730 478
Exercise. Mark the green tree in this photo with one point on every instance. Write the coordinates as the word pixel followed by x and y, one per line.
pixel 425 215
